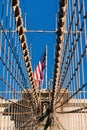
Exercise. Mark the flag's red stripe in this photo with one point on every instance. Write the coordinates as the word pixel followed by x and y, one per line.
pixel 39 71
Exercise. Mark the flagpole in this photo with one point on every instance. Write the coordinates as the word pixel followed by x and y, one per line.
pixel 46 66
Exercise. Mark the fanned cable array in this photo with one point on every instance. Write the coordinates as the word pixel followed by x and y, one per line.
pixel 64 105
pixel 70 105
pixel 18 99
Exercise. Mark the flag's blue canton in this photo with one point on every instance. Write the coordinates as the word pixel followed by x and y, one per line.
pixel 43 59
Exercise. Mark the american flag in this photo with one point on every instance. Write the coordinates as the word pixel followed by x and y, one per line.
pixel 39 71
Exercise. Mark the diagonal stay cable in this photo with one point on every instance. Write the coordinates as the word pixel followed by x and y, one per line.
pixel 24 47
pixel 73 111
pixel 72 96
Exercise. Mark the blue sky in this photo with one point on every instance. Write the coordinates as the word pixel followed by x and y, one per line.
pixel 40 16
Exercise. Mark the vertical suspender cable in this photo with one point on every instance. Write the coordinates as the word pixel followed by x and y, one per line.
pixel 46 67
